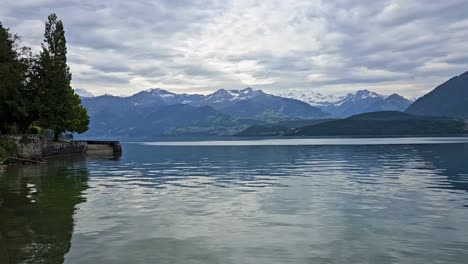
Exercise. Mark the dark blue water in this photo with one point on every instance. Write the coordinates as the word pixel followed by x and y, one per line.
pixel 223 203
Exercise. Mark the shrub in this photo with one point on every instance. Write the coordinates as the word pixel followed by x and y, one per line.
pixel 7 149
pixel 36 130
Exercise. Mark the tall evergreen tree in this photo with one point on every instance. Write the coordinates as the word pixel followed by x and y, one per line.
pixel 60 107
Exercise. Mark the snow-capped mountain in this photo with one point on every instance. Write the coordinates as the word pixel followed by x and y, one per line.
pixel 157 112
pixel 224 98
pixel 247 104
pixel 219 99
pixel 158 95
pixel 361 95
pixel 359 102
pixel 83 93
pixel 312 98
pixel 244 94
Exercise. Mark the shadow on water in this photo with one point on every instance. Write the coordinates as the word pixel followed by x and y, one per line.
pixel 37 204
pixel 451 162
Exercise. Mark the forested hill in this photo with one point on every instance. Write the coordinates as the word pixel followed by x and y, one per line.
pixel 386 123
pixel 448 99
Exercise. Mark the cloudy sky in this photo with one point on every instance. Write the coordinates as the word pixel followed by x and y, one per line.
pixel 121 47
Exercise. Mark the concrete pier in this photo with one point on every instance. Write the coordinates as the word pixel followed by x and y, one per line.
pixel 104 147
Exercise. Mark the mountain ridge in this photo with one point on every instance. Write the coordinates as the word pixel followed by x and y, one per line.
pixel 384 123
pixel 448 99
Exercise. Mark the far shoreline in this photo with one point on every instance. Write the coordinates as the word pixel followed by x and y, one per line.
pixel 166 138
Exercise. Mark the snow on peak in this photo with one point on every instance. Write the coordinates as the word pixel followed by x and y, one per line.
pixel 319 99
pixel 234 95
pixel 221 93
pixel 244 94
pixel 311 97
pixel 159 92
pixel 83 93
pixel 363 94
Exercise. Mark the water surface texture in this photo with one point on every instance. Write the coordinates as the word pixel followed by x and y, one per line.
pixel 205 203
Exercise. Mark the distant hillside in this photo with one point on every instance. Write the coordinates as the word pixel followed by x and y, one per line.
pixel 393 102
pixel 264 131
pixel 385 115
pixel 366 101
pixel 383 123
pixel 268 106
pixel 118 117
pixel 448 99
pixel 279 128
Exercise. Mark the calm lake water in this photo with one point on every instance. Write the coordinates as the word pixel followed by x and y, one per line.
pixel 343 201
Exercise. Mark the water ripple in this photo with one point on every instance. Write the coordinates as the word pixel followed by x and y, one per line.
pixel 307 203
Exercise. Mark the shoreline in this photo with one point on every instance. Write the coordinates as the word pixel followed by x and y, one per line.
pixel 234 138
pixel 34 149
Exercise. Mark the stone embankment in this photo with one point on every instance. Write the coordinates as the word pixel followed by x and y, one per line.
pixel 36 147
pixel 103 147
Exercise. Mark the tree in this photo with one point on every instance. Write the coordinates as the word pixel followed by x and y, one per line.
pixel 60 108
pixel 13 84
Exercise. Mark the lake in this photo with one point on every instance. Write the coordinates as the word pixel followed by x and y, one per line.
pixel 274 201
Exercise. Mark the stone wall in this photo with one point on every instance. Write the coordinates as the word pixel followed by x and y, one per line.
pixel 50 148
pixel 28 146
pixel 35 147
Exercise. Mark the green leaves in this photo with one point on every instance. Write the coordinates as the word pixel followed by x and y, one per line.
pixel 12 80
pixel 7 149
pixel 36 89
pixel 60 109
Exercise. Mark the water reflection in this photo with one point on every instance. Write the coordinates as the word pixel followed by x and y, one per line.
pixel 275 204
pixel 242 204
pixel 37 208
pixel 262 166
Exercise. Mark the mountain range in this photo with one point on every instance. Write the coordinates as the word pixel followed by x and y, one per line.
pixel 362 101
pixel 157 112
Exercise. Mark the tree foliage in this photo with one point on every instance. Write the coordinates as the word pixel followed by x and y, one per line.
pixel 37 89
pixel 7 149
pixel 61 108
pixel 13 84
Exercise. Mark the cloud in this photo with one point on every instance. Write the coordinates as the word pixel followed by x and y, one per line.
pixel 317 77
pixel 338 46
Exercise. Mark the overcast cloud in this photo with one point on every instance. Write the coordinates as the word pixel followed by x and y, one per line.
pixel 122 47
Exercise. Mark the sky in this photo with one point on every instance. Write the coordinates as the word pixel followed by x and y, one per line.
pixel 121 47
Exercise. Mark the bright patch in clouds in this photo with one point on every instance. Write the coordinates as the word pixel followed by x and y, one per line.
pixel 122 47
